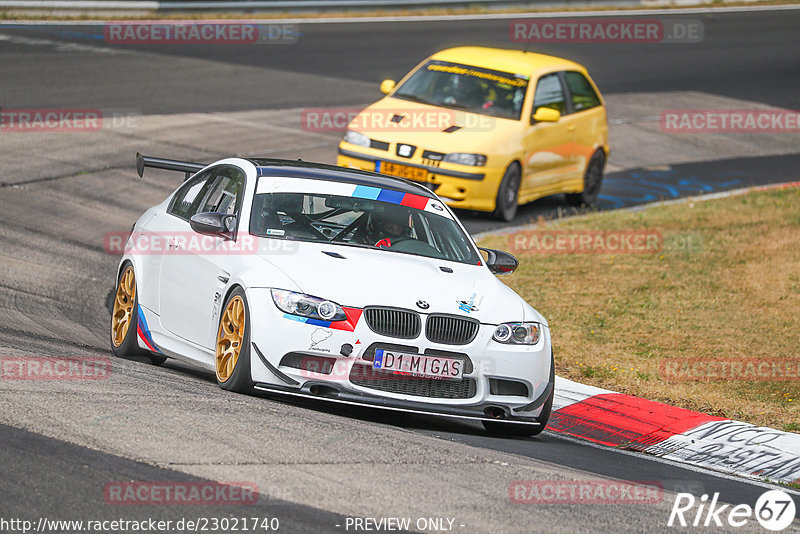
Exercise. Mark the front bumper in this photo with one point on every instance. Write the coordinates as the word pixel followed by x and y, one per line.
pixel 473 188
pixel 479 412
pixel 327 371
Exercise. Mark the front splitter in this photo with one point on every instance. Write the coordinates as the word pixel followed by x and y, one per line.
pixel 474 413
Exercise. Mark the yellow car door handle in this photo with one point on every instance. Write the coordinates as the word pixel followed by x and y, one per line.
pixel 571 128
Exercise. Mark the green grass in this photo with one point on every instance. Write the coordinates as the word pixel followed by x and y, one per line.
pixel 724 286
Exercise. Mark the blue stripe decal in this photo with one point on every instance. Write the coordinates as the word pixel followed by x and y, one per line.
pixel 367 192
pixel 317 322
pixel 307 320
pixel 387 195
pixel 140 316
pixel 377 165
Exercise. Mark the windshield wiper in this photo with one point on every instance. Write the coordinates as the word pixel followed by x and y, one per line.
pixel 348 243
pixel 458 106
pixel 415 98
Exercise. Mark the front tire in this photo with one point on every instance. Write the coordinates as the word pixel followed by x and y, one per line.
pixel 125 320
pixel 507 200
pixel 499 428
pixel 592 180
pixel 232 347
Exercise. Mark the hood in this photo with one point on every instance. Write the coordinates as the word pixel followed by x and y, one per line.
pixel 433 128
pixel 368 277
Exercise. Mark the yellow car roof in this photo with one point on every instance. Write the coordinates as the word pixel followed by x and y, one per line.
pixel 511 61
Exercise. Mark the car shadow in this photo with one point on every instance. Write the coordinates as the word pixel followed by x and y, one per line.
pixel 434 424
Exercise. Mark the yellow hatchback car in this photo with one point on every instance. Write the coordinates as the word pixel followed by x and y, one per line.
pixel 487 129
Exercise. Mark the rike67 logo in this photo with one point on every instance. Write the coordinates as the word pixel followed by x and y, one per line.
pixel 774 510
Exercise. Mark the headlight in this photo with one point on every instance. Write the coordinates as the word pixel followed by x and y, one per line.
pixel 356 138
pixel 473 160
pixel 518 333
pixel 307 306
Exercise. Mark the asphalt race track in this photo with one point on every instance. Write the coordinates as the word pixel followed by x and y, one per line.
pixel 315 465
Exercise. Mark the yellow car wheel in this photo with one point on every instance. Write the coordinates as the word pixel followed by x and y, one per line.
pixel 592 180
pixel 507 200
pixel 125 320
pixel 232 346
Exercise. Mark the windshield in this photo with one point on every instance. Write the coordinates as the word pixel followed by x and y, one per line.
pixel 473 89
pixel 363 222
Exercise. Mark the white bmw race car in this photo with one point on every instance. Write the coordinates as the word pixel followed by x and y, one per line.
pixel 319 281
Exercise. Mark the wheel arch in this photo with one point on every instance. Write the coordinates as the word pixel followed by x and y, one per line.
pixel 231 288
pixel 516 160
pixel 121 267
pixel 221 305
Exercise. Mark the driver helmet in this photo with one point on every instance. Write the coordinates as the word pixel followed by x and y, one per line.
pixel 392 221
pixel 465 87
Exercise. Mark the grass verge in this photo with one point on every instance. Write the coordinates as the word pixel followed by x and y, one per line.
pixel 723 286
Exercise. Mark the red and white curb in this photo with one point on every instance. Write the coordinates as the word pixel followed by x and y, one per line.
pixel 696 439
pixel 623 421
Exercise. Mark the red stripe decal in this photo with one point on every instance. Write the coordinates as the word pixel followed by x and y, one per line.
pixel 624 421
pixel 353 315
pixel 414 201
pixel 143 338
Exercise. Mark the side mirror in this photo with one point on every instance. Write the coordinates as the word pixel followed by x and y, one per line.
pixel 219 224
pixel 500 262
pixel 546 115
pixel 387 86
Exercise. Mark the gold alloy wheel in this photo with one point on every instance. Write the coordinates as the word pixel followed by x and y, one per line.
pixel 123 307
pixel 230 337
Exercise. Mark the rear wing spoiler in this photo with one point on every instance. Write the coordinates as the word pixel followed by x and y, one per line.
pixel 186 167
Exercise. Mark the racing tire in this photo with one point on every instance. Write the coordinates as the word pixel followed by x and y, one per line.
pixel 232 345
pixel 592 180
pixel 125 320
pixel 500 428
pixel 507 200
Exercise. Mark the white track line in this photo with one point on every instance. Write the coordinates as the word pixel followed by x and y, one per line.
pixel 445 18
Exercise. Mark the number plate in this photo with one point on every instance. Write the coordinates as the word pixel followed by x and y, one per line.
pixel 403 171
pixel 418 365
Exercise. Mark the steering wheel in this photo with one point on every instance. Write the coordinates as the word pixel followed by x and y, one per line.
pixel 393 240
